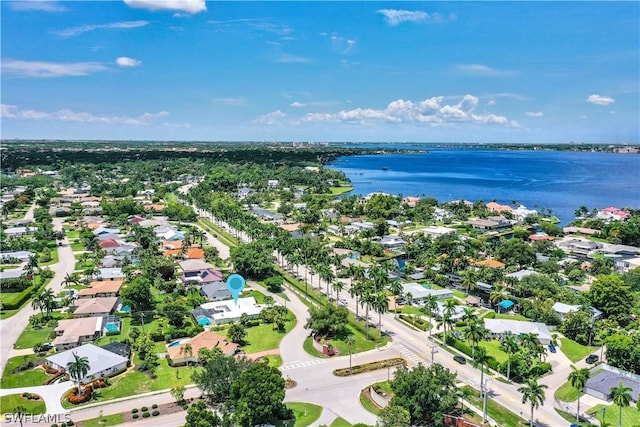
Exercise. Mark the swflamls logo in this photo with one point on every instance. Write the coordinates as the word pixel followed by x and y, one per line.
pixel 36 418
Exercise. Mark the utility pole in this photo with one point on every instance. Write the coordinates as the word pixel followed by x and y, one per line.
pixel 434 350
pixel 485 391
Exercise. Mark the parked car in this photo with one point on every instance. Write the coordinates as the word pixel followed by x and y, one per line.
pixel 552 348
pixel 461 360
pixel 592 358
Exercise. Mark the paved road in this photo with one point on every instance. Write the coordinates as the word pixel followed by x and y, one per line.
pixel 11 328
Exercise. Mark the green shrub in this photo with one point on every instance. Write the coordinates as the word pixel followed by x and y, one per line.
pixel 155 413
pixel 154 406
pixel 134 411
pixel 490 315
pixel 144 409
pixel 136 416
pixel 366 367
pixel 54 425
pixel 146 415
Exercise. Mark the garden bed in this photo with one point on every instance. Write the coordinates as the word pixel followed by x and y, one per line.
pixel 372 366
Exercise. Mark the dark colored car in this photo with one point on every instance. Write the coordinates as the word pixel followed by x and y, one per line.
pixel 593 358
pixel 552 348
pixel 461 360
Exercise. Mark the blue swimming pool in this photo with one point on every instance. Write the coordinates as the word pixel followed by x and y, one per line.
pixel 112 327
pixel 173 344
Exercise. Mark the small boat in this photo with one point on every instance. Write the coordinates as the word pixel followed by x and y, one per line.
pixel 384 168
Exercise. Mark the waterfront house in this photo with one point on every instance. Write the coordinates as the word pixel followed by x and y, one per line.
pixel 612 214
pixel 498 208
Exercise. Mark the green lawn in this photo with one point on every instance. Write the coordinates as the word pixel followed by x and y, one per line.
pixel 263 337
pixel 493 348
pixel 309 348
pixel 222 235
pixel 410 310
pixel 630 414
pixel 336 191
pixel 77 247
pixel 340 422
pixel 31 337
pixel 54 258
pixel 499 413
pixel 305 413
pixel 512 317
pixel 257 295
pixel 361 343
pixel 106 420
pixel 9 402
pixel 125 328
pixel 72 234
pixel 567 393
pixel 275 360
pixel 28 378
pixel 575 351
pixel 458 294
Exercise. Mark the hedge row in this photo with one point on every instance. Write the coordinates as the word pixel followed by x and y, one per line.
pixel 366 367
pixel 416 321
pixel 17 300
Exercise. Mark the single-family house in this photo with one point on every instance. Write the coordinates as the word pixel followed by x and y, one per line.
pixel 521 274
pixel 114 273
pixel 106 230
pixel 582 247
pixel 394 243
pixel 490 263
pixel 498 328
pixel 197 271
pixel 12 274
pixel 215 291
pixel 101 362
pixel 19 231
pixel 71 333
pixel 220 312
pixel 100 289
pixel 498 208
pixel 362 225
pixel 436 231
pixel 604 377
pixel 411 201
pixel 612 214
pixel 206 339
pixel 22 256
pixel 420 292
pixel 562 309
pixel 88 307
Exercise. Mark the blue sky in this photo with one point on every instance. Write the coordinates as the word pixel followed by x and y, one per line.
pixel 539 72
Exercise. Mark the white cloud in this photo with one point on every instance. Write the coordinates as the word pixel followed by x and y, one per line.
pixel 432 111
pixel 285 58
pixel 481 69
pixel 534 113
pixel 230 102
pixel 125 61
pixel 67 115
pixel 340 44
pixel 50 69
pixel 398 16
pixel 36 5
pixel 187 6
pixel 273 118
pixel 600 100
pixel 297 104
pixel 75 31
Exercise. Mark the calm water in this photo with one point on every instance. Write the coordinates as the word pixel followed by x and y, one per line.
pixel 558 180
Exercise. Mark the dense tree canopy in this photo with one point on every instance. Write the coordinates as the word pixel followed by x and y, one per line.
pixel 328 321
pixel 610 294
pixel 253 260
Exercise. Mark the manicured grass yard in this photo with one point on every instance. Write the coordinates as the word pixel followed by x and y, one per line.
pixel 107 420
pixel 567 393
pixel 502 415
pixel 77 247
pixel 630 414
pixel 31 337
pixel 28 378
pixel 513 316
pixel 361 343
pixel 493 348
pixel 336 191
pixel 263 337
pixel 305 413
pixel 575 351
pixel 340 422
pixel 9 402
pixel 54 258
pixel 72 234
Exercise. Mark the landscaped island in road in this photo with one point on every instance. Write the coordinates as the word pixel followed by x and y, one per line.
pixel 149 287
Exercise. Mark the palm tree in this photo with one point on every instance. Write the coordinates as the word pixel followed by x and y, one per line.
pixel 480 359
pixel 621 396
pixel 187 349
pixel 349 340
pixel 380 305
pixel 71 279
pixel 78 368
pixel 47 298
pixel 509 344
pixel 474 334
pixel 533 393
pixel 578 379
pixel 356 291
pixel 395 287
pixel 18 413
pixel 367 298
pixel 36 303
pixel 469 315
pixel 338 286
pixel 430 304
pixel 498 293
pixel 469 281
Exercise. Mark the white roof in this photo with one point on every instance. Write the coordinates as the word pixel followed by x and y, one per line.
pixel 517 327
pixel 418 291
pixel 99 359
pixel 521 274
pixel 562 308
pixel 221 310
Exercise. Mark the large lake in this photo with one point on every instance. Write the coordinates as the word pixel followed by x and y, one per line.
pixel 558 180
